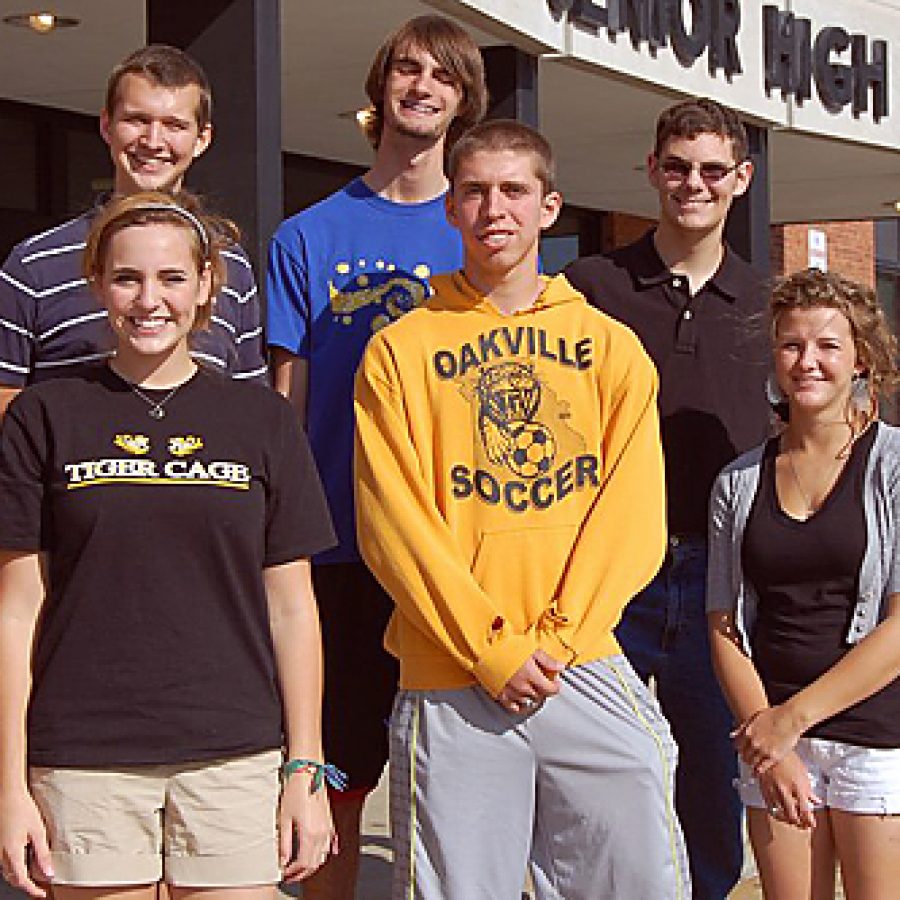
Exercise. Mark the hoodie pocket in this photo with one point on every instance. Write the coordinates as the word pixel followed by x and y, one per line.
pixel 521 569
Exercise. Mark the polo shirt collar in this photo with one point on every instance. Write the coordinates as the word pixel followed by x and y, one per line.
pixel 650 270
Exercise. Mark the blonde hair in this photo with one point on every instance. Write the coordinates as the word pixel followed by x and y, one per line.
pixel 208 235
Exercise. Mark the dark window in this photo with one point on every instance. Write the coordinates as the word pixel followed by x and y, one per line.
pixel 557 251
pixel 18 150
pixel 887 283
pixel 577 232
pixel 89 171
pixel 308 180
pixel 51 161
pixel 887 242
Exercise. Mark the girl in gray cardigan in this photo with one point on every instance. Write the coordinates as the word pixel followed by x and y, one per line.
pixel 804 601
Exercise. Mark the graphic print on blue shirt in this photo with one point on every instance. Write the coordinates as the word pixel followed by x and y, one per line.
pixel 378 297
pixel 338 272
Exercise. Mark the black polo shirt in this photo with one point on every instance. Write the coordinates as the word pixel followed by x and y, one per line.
pixel 712 353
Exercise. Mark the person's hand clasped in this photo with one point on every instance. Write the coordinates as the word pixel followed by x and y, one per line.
pixel 306 814
pixel 789 796
pixel 21 828
pixel 535 681
pixel 766 737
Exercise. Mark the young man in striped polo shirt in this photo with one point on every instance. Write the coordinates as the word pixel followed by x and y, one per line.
pixel 156 122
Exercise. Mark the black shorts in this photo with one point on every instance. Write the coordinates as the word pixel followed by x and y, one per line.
pixel 360 675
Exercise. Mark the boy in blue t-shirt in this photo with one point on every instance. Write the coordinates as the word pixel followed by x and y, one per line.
pixel 337 273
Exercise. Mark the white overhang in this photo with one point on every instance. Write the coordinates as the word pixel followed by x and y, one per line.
pixel 599 91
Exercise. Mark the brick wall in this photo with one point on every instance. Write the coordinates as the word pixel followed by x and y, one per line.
pixel 850 246
pixel 850 249
pixel 622 228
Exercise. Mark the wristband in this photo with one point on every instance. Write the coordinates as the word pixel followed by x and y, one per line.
pixel 320 771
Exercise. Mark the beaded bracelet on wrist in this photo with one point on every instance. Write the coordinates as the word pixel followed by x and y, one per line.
pixel 321 773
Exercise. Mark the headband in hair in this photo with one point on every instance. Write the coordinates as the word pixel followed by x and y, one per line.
pixel 185 214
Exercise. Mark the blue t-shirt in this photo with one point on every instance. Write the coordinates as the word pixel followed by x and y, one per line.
pixel 338 272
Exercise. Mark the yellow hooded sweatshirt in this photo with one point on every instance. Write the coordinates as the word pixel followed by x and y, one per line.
pixel 509 482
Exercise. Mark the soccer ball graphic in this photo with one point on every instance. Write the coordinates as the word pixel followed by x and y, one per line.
pixel 533 449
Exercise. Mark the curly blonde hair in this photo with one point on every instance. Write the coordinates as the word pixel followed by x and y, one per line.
pixel 876 345
pixel 873 340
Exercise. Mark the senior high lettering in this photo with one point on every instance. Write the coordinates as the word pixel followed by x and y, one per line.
pixel 180 470
pixel 528 454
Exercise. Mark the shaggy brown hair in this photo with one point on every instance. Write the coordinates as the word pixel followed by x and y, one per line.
pixel 453 48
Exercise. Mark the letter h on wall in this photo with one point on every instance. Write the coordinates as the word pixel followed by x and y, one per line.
pixel 787 53
pixel 867 74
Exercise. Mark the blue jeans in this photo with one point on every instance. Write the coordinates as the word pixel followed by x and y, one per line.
pixel 663 633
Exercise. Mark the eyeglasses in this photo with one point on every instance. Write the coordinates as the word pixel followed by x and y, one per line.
pixel 675 169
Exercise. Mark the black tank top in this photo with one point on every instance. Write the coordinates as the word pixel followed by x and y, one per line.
pixel 806 575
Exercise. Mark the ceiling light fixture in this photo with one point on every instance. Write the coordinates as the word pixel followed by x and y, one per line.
pixel 360 116
pixel 41 22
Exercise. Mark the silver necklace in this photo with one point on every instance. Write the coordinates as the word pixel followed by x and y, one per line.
pixel 157 407
pixel 810 508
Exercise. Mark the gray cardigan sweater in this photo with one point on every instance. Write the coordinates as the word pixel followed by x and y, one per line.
pixel 879 575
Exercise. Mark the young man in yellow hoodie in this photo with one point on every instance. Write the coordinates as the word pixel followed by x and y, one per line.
pixel 509 489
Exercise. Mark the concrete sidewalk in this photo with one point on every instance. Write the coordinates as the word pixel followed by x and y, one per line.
pixel 375 866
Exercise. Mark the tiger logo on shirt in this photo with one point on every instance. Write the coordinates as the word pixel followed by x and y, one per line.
pixel 509 397
pixel 136 444
pixel 185 445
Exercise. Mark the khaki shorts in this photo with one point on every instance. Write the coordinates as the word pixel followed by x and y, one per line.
pixel 209 824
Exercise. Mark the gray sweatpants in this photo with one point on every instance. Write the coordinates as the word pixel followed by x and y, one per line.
pixel 580 790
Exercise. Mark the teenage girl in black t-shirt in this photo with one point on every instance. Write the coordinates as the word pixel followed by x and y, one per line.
pixel 159 642
pixel 812 674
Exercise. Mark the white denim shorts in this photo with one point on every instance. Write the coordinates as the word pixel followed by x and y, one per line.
pixel 854 779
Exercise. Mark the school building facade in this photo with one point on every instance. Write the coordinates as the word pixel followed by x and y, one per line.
pixel 814 80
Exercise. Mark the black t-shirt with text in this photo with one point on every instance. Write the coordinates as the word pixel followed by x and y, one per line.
pixel 154 644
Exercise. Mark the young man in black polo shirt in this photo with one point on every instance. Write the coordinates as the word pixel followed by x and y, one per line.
pixel 693 303
pixel 156 121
